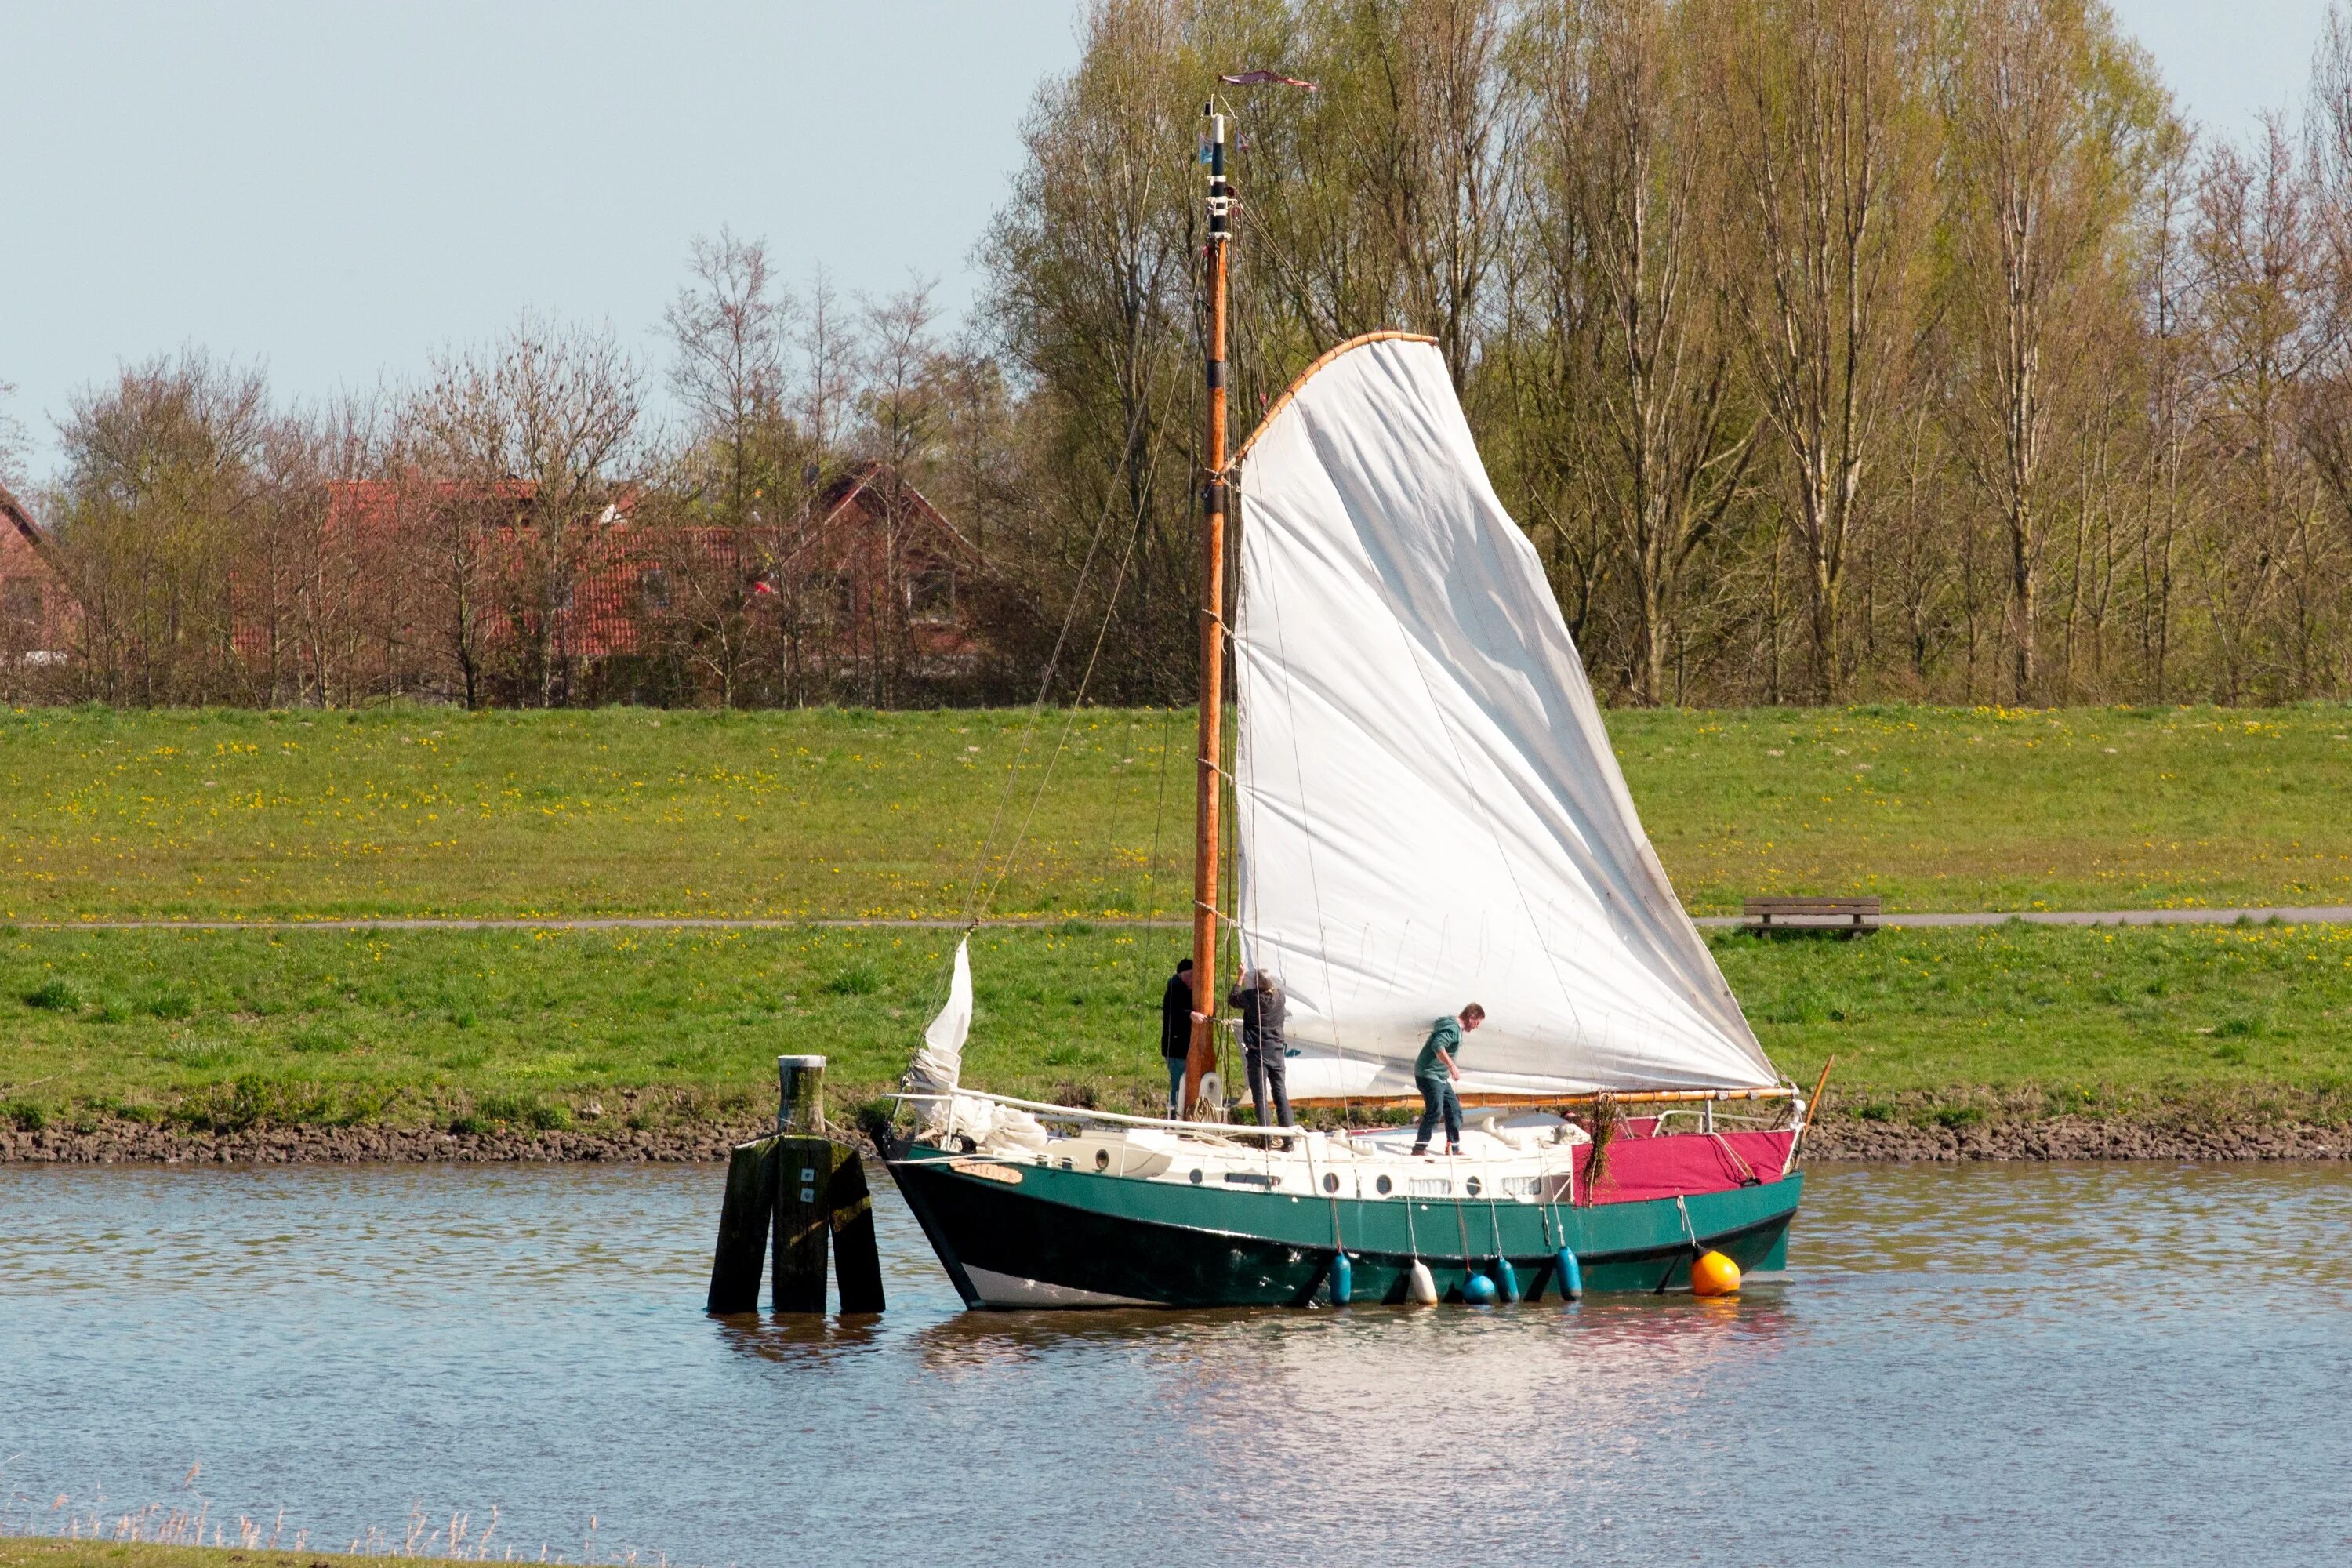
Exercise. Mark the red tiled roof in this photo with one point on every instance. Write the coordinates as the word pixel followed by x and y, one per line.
pixel 607 614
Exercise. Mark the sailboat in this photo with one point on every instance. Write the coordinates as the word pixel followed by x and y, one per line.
pixel 1428 814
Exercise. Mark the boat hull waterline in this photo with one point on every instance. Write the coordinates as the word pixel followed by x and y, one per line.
pixel 1015 1236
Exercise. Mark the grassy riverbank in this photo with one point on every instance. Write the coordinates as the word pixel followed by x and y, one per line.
pixel 427 812
pixel 482 1031
pixel 45 1552
pixel 412 812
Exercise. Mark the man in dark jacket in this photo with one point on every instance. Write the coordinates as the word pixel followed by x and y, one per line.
pixel 1176 1033
pixel 1260 1002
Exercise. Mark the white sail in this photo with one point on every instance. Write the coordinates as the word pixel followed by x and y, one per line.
pixel 1429 811
pixel 937 1072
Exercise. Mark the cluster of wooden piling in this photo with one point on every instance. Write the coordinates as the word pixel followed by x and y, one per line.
pixel 809 1192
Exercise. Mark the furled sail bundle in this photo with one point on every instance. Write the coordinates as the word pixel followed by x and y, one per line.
pixel 1428 809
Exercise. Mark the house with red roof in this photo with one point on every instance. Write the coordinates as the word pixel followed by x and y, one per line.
pixel 468 592
pixel 864 596
pixel 37 608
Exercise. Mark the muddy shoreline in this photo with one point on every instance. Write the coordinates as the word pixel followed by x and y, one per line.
pixel 2074 1138
pixel 1842 1138
pixel 109 1143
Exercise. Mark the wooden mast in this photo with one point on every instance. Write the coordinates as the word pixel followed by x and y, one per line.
pixel 1204 1053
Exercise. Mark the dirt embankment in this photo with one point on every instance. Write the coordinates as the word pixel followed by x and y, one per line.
pixel 2075 1138
pixel 1837 1138
pixel 109 1143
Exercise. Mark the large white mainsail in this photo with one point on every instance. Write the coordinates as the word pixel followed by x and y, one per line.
pixel 1429 811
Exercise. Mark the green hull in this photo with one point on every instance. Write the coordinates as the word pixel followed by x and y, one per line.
pixel 1030 1235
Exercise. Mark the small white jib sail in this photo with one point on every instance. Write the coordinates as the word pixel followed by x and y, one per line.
pixel 938 1068
pixel 1428 812
pixel 935 1075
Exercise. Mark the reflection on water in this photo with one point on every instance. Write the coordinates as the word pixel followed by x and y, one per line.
pixel 2047 1363
pixel 801 1341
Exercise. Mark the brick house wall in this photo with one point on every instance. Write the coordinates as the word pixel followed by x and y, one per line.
pixel 37 610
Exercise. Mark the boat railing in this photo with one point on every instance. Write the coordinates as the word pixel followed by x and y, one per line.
pixel 1708 1118
pixel 1211 1131
pixel 1221 1131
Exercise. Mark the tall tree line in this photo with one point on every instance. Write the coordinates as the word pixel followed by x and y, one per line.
pixel 1827 348
pixel 442 540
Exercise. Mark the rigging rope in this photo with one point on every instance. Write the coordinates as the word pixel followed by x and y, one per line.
pixel 974 907
pixel 1069 617
pixel 1158 814
pixel 1078 699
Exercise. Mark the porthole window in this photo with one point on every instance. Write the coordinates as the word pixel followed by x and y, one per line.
pixel 1330 1181
pixel 1196 1175
pixel 1471 1187
pixel 1102 1159
pixel 1384 1184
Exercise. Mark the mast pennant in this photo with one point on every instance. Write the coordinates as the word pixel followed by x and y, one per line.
pixel 1428 810
pixel 1258 78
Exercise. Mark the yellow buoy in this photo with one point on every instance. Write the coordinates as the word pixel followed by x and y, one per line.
pixel 1715 1275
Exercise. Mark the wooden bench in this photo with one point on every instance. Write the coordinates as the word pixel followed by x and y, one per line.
pixel 1845 917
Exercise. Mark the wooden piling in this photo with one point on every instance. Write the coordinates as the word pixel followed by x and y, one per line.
pixel 857 1260
pixel 803 1220
pixel 815 1191
pixel 800 1095
pixel 744 1227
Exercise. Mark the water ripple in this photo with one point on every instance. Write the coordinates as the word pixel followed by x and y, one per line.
pixel 2049 1363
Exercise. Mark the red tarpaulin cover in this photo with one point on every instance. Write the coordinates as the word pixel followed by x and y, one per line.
pixel 1682 1163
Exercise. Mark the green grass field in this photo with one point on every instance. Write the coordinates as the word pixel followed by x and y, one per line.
pixel 830 812
pixel 419 813
pixel 470 1029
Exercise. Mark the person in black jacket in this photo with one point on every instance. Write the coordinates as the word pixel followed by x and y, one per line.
pixel 1260 1002
pixel 1176 1033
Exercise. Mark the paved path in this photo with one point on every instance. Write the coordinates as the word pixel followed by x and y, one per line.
pixel 2315 914
pixel 610 922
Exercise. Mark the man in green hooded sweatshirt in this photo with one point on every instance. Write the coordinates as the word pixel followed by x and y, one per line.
pixel 1434 1074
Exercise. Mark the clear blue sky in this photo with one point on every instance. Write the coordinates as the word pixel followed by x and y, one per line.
pixel 2229 60
pixel 335 190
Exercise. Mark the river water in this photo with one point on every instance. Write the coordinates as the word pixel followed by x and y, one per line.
pixel 2024 1363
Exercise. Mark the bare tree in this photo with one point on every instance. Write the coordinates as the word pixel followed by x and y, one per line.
pixel 526 446
pixel 1618 217
pixel 2324 417
pixel 1386 201
pixel 1828 147
pixel 1093 306
pixel 901 415
pixel 2258 257
pixel 12 441
pixel 728 329
pixel 2169 296
pixel 163 482
pixel 2047 116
